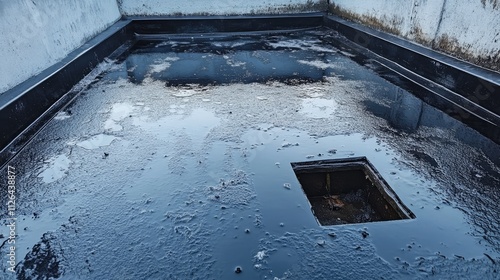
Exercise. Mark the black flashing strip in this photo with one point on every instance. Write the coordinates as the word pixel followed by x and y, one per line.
pixel 216 35
pixel 430 92
pixel 479 86
pixel 26 108
pixel 211 24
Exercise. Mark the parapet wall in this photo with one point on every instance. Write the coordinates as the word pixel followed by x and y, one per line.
pixel 36 34
pixel 219 7
pixel 467 29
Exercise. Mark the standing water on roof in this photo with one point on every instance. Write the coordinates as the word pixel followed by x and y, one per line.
pixel 175 164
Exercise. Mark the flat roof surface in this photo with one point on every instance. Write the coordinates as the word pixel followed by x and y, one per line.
pixel 175 164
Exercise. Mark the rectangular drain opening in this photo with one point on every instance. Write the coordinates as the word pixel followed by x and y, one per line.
pixel 348 191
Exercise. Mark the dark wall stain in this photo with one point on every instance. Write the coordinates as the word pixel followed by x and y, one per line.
pixel 418 35
pixel 309 6
pixel 368 20
pixel 451 46
pixel 494 3
pixel 443 43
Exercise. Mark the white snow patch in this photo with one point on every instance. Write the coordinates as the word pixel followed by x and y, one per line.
pixel 97 141
pixel 56 168
pixel 228 44
pixel 184 93
pixel 314 92
pixel 111 125
pixel 195 126
pixel 330 49
pixel 162 65
pixel 119 112
pixel 236 63
pixel 295 44
pixel 62 116
pixel 347 54
pixel 316 63
pixel 188 91
pixel 260 255
pixel 318 108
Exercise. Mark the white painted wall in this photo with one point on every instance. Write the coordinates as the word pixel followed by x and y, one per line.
pixel 473 24
pixel 423 12
pixel 35 34
pixel 216 7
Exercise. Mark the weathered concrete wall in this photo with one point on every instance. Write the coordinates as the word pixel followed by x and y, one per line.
pixel 467 29
pixel 35 34
pixel 219 7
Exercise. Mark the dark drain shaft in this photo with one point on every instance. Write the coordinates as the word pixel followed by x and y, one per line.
pixel 347 191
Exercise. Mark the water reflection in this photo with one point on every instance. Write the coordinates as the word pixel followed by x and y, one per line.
pixel 407 113
pixel 402 110
pixel 229 60
pixel 238 67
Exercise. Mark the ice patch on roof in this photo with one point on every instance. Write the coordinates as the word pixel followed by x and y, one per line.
pixel 97 141
pixel 55 168
pixel 316 63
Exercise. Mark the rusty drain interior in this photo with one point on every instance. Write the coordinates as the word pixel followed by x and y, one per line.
pixel 348 191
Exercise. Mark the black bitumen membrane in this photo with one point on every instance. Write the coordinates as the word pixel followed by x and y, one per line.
pixel 174 161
